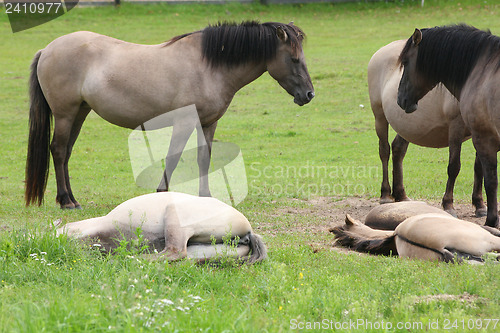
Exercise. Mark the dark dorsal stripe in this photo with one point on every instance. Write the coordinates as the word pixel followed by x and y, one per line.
pixel 444 49
pixel 421 245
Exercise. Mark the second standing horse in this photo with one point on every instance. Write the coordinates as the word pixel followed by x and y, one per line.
pixel 438 124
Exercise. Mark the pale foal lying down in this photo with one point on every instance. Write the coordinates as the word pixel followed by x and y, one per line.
pixel 427 236
pixel 177 225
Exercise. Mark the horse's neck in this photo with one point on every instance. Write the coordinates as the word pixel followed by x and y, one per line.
pixel 236 77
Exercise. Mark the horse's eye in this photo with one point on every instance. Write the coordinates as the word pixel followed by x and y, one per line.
pixel 295 60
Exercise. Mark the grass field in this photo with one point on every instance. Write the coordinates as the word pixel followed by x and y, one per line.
pixel 54 285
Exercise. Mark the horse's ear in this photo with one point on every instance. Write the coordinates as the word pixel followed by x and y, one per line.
pixel 417 37
pixel 349 220
pixel 281 34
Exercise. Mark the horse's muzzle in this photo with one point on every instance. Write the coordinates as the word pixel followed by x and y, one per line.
pixel 299 100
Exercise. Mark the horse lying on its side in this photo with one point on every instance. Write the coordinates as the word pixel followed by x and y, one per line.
pixel 388 216
pixel 177 225
pixel 427 236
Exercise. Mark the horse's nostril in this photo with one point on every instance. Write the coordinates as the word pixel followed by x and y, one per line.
pixel 310 95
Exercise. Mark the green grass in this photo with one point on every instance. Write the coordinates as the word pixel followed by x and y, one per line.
pixel 282 144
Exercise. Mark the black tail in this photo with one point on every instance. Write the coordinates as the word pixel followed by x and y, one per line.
pixel 40 123
pixel 385 246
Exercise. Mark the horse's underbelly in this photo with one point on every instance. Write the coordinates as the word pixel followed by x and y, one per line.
pixel 436 137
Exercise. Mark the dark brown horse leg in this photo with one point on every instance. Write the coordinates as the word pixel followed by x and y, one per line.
pixel 181 132
pixel 488 157
pixel 399 147
pixel 75 131
pixel 455 147
pixel 204 155
pixel 477 192
pixel 384 151
pixel 59 148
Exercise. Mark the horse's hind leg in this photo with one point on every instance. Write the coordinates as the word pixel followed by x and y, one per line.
pixel 175 237
pixel 384 151
pixel 477 192
pixel 59 149
pixel 75 131
pixel 399 147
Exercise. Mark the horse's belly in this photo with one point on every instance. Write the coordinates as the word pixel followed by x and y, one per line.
pixel 407 250
pixel 434 137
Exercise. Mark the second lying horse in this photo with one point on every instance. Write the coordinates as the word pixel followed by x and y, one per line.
pixel 427 236
pixel 177 225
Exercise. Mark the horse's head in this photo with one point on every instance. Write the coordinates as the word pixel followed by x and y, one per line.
pixel 413 85
pixel 289 66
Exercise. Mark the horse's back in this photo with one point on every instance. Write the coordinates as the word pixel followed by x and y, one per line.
pixel 389 216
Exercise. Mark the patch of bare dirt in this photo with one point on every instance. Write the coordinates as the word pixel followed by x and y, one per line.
pixel 334 209
pixel 328 212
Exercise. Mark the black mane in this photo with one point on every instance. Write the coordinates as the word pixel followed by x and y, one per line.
pixel 230 44
pixel 445 49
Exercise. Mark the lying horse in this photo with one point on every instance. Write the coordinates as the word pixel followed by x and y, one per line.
pixel 389 216
pixel 427 236
pixel 465 60
pixel 437 124
pixel 177 225
pixel 128 84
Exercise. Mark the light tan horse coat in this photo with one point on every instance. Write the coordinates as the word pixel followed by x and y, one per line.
pixel 177 225
pixel 426 236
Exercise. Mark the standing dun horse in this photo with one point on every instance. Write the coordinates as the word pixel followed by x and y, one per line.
pixel 437 124
pixel 128 84
pixel 176 225
pixel 467 61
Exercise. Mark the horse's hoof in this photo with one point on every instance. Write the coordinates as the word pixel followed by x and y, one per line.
pixel 451 211
pixel 405 198
pixel 481 212
pixel 386 200
pixel 68 206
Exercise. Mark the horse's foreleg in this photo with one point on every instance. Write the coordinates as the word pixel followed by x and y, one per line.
pixel 204 155
pixel 477 192
pixel 487 152
pixel 455 139
pixel 384 151
pixel 399 147
pixel 180 136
